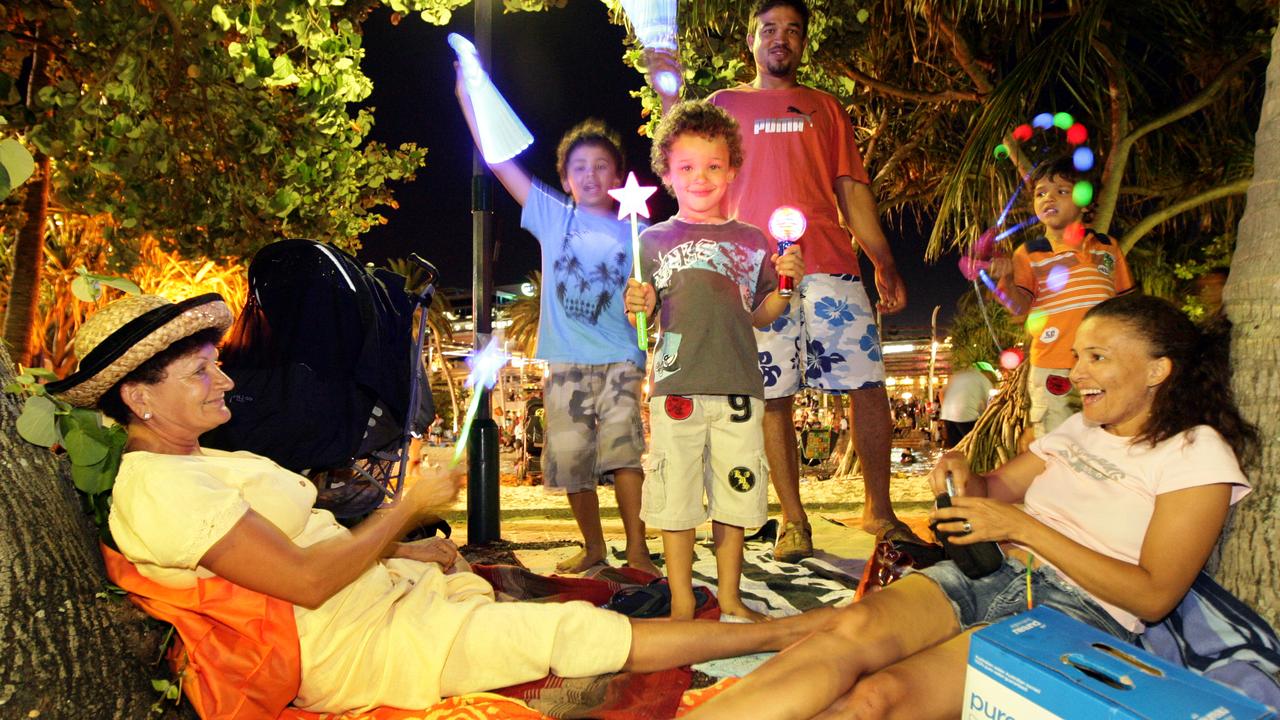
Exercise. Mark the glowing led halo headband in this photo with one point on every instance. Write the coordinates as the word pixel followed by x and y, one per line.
pixel 654 22
pixel 502 135
pixel 974 264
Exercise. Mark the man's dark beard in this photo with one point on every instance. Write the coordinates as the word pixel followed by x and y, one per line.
pixel 780 68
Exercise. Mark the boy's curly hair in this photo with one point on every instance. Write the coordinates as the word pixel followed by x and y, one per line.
pixel 695 117
pixel 591 131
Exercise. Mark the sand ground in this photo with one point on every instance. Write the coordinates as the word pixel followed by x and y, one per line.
pixel 530 516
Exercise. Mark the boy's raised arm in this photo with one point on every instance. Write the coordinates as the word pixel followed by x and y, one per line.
pixel 514 178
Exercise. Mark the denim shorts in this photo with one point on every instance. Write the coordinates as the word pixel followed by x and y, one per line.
pixel 1003 594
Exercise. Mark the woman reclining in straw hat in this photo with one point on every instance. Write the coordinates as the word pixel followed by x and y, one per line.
pixel 379 622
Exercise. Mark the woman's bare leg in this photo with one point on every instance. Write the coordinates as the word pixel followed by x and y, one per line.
pixel 929 684
pixel 887 626
pixel 661 644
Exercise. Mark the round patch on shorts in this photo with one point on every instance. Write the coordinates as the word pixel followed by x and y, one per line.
pixel 742 479
pixel 1057 385
pixel 678 407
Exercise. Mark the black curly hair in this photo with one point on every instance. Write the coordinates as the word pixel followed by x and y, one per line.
pixel 763 6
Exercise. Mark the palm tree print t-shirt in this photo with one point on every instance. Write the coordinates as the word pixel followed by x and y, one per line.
pixel 586 260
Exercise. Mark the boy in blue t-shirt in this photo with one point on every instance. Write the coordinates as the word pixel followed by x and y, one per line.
pixel 592 393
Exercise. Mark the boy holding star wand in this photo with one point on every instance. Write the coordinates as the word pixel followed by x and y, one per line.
pixel 592 393
pixel 717 279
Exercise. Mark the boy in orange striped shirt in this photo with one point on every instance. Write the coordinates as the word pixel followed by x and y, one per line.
pixel 1060 277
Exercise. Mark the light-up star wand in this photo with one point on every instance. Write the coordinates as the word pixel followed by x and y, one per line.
pixel 485 366
pixel 631 203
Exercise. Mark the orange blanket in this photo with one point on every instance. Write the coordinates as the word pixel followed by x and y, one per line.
pixel 237 655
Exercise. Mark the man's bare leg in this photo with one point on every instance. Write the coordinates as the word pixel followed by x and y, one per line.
pixel 872 428
pixel 627 484
pixel 585 505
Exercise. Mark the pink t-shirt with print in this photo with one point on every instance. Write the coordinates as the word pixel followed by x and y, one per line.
pixel 1100 491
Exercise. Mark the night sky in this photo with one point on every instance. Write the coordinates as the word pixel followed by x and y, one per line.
pixel 555 69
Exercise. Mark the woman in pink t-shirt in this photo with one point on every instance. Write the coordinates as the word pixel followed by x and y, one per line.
pixel 1116 512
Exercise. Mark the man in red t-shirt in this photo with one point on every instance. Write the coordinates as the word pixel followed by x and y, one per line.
pixel 799 151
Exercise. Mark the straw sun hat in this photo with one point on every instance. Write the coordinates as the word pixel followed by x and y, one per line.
pixel 128 332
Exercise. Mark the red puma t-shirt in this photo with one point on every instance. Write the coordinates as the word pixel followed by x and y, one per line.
pixel 797 141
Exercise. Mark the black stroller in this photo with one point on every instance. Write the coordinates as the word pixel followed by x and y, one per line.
pixel 329 380
pixel 532 438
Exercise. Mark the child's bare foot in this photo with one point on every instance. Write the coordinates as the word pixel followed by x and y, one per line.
pixel 683 604
pixel 581 561
pixel 642 561
pixel 737 609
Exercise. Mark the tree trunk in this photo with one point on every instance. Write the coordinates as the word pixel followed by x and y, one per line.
pixel 64 652
pixel 1250 554
pixel 28 262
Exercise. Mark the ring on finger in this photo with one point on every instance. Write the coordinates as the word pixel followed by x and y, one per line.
pixel 968 527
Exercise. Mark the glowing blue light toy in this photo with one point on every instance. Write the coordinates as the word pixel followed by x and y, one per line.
pixel 502 135
pixel 654 22
pixel 485 366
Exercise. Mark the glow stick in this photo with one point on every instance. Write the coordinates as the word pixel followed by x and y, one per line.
pixel 502 135
pixel 485 366
pixel 631 197
pixel 995 289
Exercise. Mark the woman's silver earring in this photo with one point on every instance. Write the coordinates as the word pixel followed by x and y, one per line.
pixel 146 416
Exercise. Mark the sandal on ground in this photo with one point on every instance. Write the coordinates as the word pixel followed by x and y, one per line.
pixel 898 531
pixel 650 601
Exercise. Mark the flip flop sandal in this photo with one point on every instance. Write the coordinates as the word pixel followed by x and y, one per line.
pixel 900 532
pixel 652 600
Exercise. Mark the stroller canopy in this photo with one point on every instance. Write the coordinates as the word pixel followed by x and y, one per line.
pixel 321 359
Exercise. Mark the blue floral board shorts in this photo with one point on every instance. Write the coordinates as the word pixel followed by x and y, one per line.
pixel 827 340
pixel 1003 594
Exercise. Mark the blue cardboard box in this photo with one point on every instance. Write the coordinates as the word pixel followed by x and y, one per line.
pixel 1043 665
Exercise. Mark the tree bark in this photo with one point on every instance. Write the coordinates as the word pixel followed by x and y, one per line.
pixel 64 652
pixel 1250 555
pixel 28 262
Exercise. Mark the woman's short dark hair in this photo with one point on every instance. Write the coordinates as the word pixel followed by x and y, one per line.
pixel 1198 389
pixel 153 371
